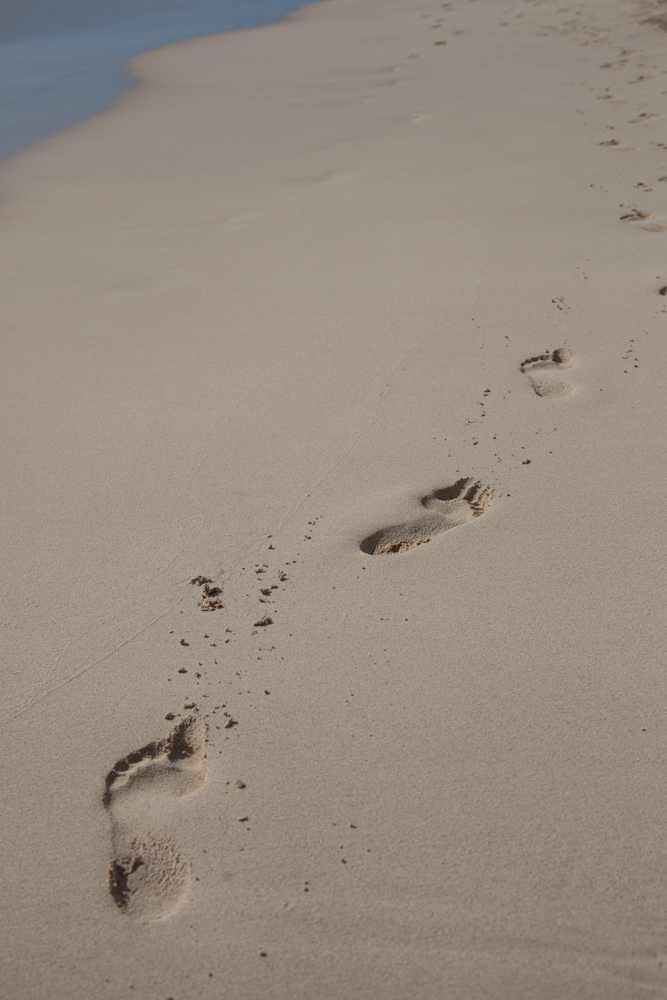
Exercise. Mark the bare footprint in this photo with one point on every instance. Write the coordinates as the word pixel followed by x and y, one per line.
pixel 149 877
pixel 544 363
pixel 644 220
pixel 449 507
pixel 620 144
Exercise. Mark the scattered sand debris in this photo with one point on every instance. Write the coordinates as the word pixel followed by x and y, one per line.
pixel 211 594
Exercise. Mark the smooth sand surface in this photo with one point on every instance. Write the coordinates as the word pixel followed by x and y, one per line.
pixel 289 319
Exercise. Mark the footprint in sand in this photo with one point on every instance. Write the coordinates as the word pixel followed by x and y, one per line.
pixel 644 220
pixel 536 368
pixel 149 877
pixel 449 507
pixel 620 144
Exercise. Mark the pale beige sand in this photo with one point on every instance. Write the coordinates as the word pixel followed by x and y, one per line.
pixel 275 301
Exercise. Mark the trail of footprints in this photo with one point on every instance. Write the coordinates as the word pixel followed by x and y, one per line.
pixel 467 498
pixel 150 875
pixel 635 216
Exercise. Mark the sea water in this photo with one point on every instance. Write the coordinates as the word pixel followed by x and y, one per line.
pixel 63 60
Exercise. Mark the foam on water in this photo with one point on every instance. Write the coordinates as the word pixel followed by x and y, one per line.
pixel 63 60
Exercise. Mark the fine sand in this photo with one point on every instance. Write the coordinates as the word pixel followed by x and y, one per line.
pixel 333 410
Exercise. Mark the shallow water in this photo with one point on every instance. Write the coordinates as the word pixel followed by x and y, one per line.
pixel 63 60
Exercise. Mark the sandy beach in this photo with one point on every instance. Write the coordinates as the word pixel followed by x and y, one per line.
pixel 333 412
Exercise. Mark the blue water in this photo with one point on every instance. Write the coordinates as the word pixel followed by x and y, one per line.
pixel 62 60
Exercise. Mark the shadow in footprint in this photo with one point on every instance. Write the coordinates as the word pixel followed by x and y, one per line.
pixel 149 877
pixel 448 508
pixel 543 363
